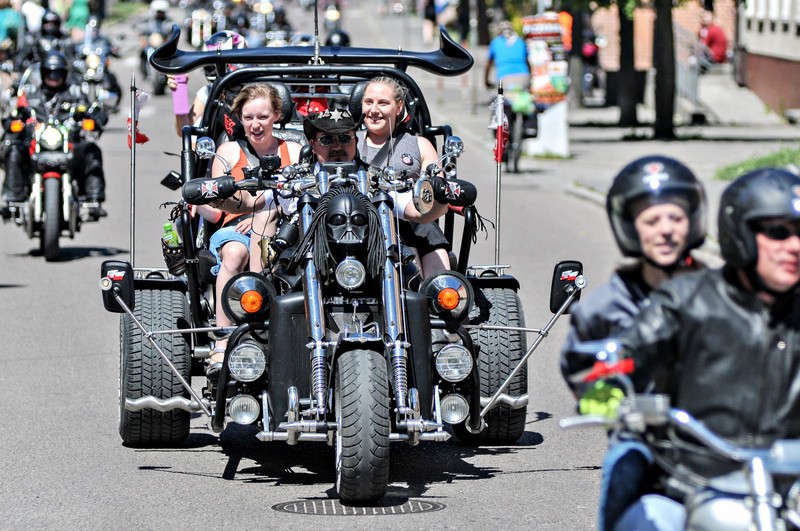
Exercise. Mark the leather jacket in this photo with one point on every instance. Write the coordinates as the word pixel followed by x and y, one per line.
pixel 723 356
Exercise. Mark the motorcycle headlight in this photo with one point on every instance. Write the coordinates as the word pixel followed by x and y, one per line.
pixel 450 295
pixel 247 297
pixel 244 409
pixel 247 361
pixel 93 61
pixel 454 363
pixel 350 273
pixel 51 138
pixel 455 408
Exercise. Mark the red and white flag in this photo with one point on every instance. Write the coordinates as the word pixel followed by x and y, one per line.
pixel 499 122
pixel 133 123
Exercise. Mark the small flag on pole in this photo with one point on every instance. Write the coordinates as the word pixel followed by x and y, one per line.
pixel 133 123
pixel 500 124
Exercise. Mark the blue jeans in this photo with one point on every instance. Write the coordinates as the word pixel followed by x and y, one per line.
pixel 626 467
pixel 223 236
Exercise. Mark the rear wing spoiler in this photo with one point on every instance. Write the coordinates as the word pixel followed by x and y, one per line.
pixel 451 59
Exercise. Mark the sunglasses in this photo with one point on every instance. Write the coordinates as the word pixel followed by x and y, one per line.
pixel 343 139
pixel 779 230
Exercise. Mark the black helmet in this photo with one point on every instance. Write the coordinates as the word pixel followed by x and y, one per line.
pixel 758 194
pixel 654 176
pixel 338 38
pixel 51 23
pixel 55 66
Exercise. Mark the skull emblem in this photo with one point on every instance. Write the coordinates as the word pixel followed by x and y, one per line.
pixel 346 224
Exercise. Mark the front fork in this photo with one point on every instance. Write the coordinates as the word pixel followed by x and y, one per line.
pixel 394 315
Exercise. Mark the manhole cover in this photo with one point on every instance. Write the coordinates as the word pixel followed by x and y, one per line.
pixel 334 508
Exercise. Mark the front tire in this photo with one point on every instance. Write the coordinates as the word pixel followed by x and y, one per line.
pixel 500 352
pixel 144 373
pixel 51 226
pixel 363 426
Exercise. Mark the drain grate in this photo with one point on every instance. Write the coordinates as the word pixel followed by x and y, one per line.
pixel 334 508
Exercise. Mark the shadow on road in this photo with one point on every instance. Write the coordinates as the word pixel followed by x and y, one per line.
pixel 413 469
pixel 68 254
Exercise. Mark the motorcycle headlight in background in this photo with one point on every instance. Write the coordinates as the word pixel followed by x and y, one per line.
pixel 51 138
pixel 247 361
pixel 247 297
pixel 450 295
pixel 93 61
pixel 350 273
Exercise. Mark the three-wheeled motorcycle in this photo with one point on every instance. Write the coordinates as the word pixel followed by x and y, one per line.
pixel 339 342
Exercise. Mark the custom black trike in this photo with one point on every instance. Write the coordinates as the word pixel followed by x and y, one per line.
pixel 340 343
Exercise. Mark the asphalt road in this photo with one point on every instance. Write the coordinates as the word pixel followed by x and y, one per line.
pixel 62 463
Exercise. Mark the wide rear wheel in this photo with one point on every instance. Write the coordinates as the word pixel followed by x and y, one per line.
pixel 363 426
pixel 500 352
pixel 51 226
pixel 144 373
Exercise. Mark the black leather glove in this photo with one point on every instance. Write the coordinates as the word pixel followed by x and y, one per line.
pixel 454 191
pixel 204 191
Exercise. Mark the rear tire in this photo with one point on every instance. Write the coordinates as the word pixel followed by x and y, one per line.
pixel 144 373
pixel 363 426
pixel 500 351
pixel 516 144
pixel 51 227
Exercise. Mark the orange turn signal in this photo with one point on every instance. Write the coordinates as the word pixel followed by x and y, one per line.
pixel 88 124
pixel 448 299
pixel 16 126
pixel 251 301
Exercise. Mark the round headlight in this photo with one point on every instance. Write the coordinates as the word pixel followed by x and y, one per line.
pixel 51 138
pixel 350 273
pixel 450 295
pixel 454 363
pixel 247 361
pixel 455 408
pixel 92 61
pixel 244 409
pixel 247 297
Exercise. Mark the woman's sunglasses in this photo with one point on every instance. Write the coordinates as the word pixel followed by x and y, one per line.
pixel 327 140
pixel 779 230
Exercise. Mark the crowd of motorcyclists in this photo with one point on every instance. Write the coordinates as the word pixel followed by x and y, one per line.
pixel 48 78
pixel 723 343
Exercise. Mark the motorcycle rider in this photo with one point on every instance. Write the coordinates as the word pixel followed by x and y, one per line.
pixel 50 38
pixel 722 342
pixel 657 211
pixel 52 94
pixel 157 24
pixel 332 136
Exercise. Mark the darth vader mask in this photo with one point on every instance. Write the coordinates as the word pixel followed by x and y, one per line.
pixel 346 225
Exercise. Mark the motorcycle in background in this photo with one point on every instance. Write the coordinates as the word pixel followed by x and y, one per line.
pixel 200 26
pixel 157 79
pixel 91 65
pixel 593 85
pixel 52 209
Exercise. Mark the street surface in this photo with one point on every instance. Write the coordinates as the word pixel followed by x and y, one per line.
pixel 62 462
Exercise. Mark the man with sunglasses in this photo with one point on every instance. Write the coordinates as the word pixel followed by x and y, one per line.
pixel 48 91
pixel 724 344
pixel 332 135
